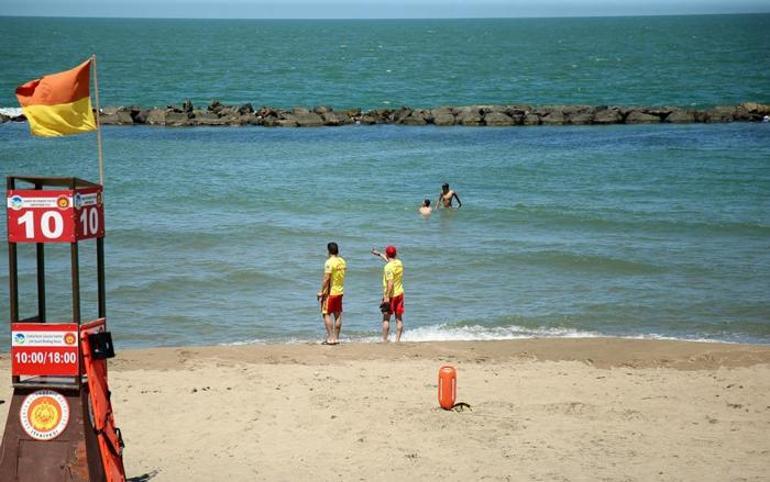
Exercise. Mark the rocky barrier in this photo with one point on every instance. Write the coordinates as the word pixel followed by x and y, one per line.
pixel 218 114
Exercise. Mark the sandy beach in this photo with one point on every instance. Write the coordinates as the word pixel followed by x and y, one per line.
pixel 542 409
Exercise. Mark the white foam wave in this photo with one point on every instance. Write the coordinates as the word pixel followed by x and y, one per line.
pixel 264 341
pixel 10 111
pixel 443 332
pixel 655 336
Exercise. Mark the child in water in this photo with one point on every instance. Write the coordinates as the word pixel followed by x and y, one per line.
pixel 425 208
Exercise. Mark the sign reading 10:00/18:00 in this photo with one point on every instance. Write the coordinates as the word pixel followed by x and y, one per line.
pixel 55 216
pixel 44 349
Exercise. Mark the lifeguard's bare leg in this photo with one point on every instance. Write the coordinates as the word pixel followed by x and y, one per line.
pixel 399 327
pixel 329 327
pixel 385 327
pixel 337 326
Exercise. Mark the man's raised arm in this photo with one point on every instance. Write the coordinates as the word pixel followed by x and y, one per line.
pixel 380 255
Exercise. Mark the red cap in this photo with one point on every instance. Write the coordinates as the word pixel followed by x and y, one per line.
pixel 390 251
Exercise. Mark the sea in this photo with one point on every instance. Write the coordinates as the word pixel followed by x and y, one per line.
pixel 217 235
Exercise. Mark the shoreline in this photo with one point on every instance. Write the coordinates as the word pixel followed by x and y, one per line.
pixel 542 409
pixel 376 339
pixel 600 352
pixel 497 115
pixel 573 344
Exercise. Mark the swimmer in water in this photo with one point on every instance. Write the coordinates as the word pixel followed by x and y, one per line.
pixel 446 196
pixel 425 208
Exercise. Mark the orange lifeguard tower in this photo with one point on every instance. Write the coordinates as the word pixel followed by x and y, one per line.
pixel 60 424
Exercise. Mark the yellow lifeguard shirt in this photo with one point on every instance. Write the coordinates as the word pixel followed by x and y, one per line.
pixel 394 271
pixel 335 266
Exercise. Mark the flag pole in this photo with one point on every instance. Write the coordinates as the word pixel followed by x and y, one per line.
pixel 98 123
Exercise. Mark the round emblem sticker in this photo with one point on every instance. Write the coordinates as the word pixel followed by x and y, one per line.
pixel 63 202
pixel 44 414
pixel 69 339
pixel 17 202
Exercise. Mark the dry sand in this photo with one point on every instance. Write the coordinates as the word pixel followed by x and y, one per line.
pixel 547 409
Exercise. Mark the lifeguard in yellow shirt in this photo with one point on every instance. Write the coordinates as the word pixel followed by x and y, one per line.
pixel 330 295
pixel 392 292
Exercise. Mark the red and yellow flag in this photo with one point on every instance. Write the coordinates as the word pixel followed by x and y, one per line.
pixel 59 104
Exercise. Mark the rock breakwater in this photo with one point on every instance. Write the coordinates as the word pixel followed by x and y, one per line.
pixel 218 114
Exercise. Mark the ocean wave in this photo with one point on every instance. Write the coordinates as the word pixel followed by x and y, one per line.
pixel 445 332
pixel 442 332
pixel 655 336
pixel 266 341
pixel 224 282
pixel 619 220
pixel 589 262
pixel 200 237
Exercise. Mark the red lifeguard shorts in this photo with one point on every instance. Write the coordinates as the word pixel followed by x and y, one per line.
pixel 397 305
pixel 332 304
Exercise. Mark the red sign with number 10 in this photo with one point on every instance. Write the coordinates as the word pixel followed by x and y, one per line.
pixel 55 216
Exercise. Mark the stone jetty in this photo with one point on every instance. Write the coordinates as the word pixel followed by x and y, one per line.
pixel 218 114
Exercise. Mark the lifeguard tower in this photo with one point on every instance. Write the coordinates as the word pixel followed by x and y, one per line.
pixel 60 424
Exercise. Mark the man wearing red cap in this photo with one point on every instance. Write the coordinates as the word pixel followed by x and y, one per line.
pixel 392 292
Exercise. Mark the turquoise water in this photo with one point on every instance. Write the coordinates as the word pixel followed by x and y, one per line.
pixel 217 235
pixel 685 61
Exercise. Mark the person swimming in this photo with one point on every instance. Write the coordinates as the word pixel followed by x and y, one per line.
pixel 425 208
pixel 446 196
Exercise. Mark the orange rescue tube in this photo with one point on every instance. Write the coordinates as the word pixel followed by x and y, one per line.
pixel 447 387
